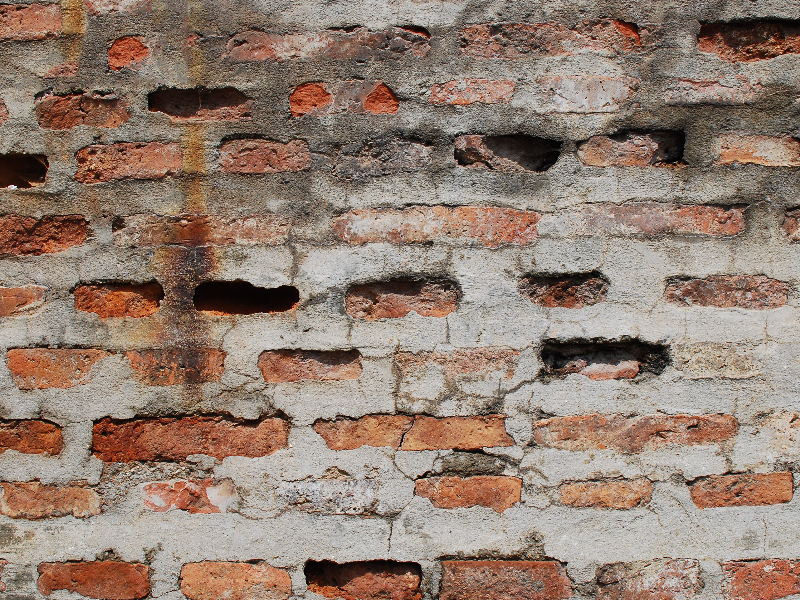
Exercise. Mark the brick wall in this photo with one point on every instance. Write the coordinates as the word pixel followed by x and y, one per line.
pixel 399 300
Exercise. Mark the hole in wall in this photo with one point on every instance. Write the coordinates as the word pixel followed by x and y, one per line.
pixel 243 298
pixel 601 360
pixel 22 170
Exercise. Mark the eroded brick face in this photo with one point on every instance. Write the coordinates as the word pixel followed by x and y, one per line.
pixel 769 151
pixel 606 494
pixel 119 299
pixel 678 579
pixel 92 110
pixel 177 366
pixel 568 291
pixel 469 91
pixel 757 489
pixel 27 235
pixel 263 156
pixel 176 438
pixel 236 581
pixel 200 230
pixel 458 433
pixel 302 365
pixel 201 496
pixel 316 99
pixel 371 430
pixel 128 160
pixel 497 493
pixel 504 579
pixel 104 580
pixel 397 298
pixel 42 368
pixel 128 52
pixel 27 22
pixel 372 580
pixel 750 40
pixel 21 300
pixel 761 580
pixel 36 501
pixel 726 291
pixel 30 437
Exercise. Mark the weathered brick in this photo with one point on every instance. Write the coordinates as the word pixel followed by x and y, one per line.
pixel 635 434
pixel 471 91
pixel 396 298
pixel 360 96
pixel 489 226
pixel 201 104
pixel 42 368
pixel 105 580
pixel 583 94
pixel 3 563
pixel 711 360
pixel 730 91
pixel 30 437
pixel 495 492
pixel 66 69
pixel 456 433
pixel 564 291
pixel 614 494
pixel 648 219
pixel 673 579
pixel 21 300
pixel 119 299
pixel 360 44
pixel 504 580
pixel 28 235
pixel 506 153
pixel 29 22
pixel 195 496
pixel 128 160
pixel 332 496
pixel 129 52
pixel 174 366
pixel 71 110
pixel 200 230
pixel 769 151
pixel 632 149
pixel 234 581
pixel 176 438
pixel 461 361
pixel 108 7
pixel 728 291
pixel 791 224
pixel 257 156
pixel 36 501
pixel 534 40
pixel 3 112
pixel 371 430
pixel 761 580
pixel 378 157
pixel 303 365
pixel 369 580
pixel 746 489
pixel 749 41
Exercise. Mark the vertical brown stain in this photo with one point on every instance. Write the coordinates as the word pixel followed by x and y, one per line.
pixel 73 18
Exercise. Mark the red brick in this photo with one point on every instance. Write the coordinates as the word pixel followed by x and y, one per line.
pixel 21 300
pixel 128 160
pixel 174 366
pixel 360 96
pixel 668 579
pixel 635 434
pixel 761 580
pixel 106 580
pixel 396 298
pixel 457 433
pixel 525 40
pixel 462 361
pixel 29 22
pixel 614 494
pixel 360 44
pixel 632 149
pixel 506 153
pixel 504 580
pixel 304 365
pixel 30 437
pixel 461 92
pixel 654 218
pixel 201 104
pixel 256 156
pixel 43 368
pixel 234 581
pixel 369 580
pixel 176 438
pixel 197 496
pixel 3 112
pixel 106 7
pixel 36 501
pixel 495 492
pixel 730 91
pixel 492 227
pixel 728 291
pixel 757 489
pixel 128 52
pixel 371 430
pixel 28 235
pixel 119 299
pixel 3 563
pixel 769 151
pixel 749 41
pixel 200 230
pixel 791 224
pixel 71 110
pixel 564 291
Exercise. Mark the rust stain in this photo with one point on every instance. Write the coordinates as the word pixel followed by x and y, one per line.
pixel 73 18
